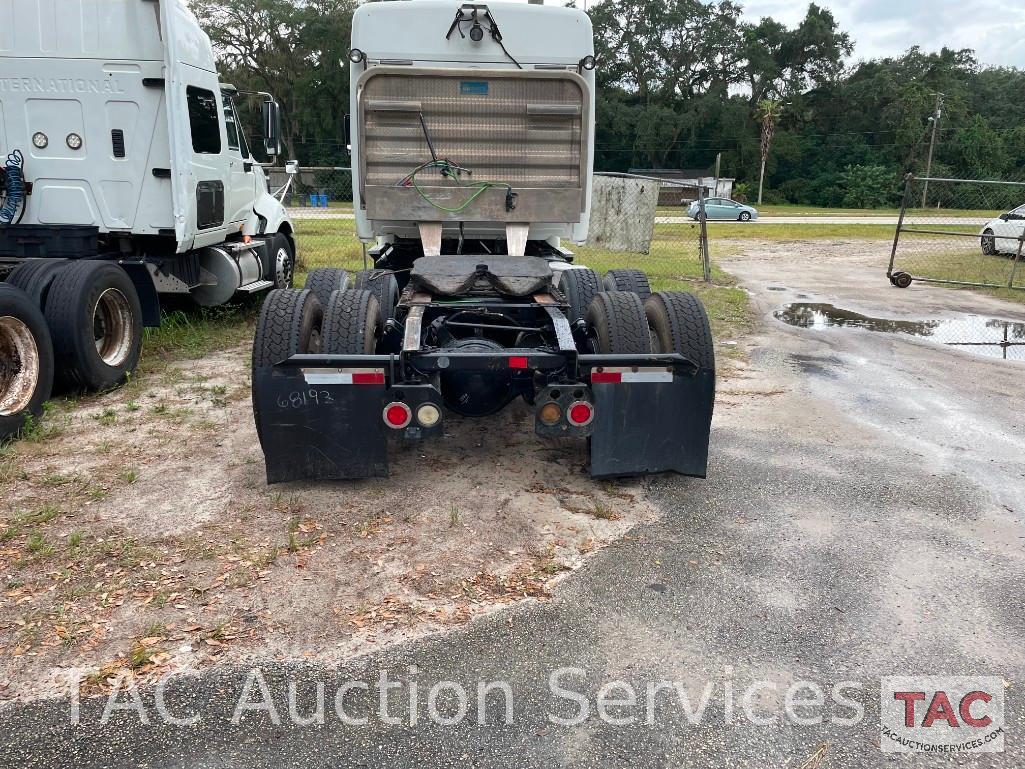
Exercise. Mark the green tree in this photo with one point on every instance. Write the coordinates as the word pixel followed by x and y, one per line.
pixel 868 186
pixel 295 49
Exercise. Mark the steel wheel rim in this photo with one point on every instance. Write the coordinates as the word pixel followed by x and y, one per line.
pixel 112 327
pixel 283 267
pixel 19 366
pixel 315 344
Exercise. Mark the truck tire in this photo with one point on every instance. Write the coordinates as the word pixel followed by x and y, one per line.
pixel 26 361
pixel 350 323
pixel 324 281
pixel 680 325
pixel 617 321
pixel 282 262
pixel 628 280
pixel 580 287
pixel 289 324
pixel 35 277
pixel 381 284
pixel 95 321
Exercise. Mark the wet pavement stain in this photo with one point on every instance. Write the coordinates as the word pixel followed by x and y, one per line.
pixel 991 337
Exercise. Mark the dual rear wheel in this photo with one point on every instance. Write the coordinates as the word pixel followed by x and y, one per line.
pixel 623 315
pixel 94 316
pixel 665 322
pixel 332 315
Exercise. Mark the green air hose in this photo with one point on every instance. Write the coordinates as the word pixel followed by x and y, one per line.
pixel 452 171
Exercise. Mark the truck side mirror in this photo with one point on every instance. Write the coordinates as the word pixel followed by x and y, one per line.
pixel 272 127
pixel 347 121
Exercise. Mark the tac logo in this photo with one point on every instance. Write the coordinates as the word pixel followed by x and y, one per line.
pixel 942 714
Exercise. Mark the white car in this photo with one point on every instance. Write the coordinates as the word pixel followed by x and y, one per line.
pixel 1004 234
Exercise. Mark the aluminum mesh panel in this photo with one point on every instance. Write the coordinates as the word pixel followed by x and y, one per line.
pixel 524 129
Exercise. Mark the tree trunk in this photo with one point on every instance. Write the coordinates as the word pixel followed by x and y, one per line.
pixel 761 178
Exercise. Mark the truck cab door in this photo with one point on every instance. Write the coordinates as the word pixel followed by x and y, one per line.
pixel 196 132
pixel 241 168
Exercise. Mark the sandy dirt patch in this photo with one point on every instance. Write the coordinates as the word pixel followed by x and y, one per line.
pixel 137 533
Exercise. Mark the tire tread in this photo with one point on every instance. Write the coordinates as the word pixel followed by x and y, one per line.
pixel 687 323
pixel 347 319
pixel 632 280
pixel 61 311
pixel 324 281
pixel 279 327
pixel 580 286
pixel 619 316
pixel 382 284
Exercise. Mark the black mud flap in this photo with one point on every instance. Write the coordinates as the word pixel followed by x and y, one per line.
pixel 653 426
pixel 316 426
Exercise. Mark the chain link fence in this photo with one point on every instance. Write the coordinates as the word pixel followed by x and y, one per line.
pixel 965 232
pixel 628 227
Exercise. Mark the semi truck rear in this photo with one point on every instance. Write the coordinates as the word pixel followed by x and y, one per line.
pixel 472 149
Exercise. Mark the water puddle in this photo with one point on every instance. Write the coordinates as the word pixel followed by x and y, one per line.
pixel 992 337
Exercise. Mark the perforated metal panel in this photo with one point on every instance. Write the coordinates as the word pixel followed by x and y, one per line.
pixel 524 128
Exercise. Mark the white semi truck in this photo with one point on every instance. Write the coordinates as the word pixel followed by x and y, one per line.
pixel 472 133
pixel 125 176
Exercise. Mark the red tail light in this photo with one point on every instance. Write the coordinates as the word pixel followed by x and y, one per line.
pixel 518 361
pixel 580 414
pixel 397 415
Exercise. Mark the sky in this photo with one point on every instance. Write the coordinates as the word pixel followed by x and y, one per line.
pixel 995 29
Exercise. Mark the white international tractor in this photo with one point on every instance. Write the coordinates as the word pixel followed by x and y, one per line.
pixel 125 176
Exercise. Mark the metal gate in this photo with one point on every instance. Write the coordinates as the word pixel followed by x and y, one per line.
pixel 965 232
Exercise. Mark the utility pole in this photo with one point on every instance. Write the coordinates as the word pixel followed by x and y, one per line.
pixel 935 119
pixel 718 164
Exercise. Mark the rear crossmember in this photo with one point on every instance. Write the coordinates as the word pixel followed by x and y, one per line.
pixel 327 417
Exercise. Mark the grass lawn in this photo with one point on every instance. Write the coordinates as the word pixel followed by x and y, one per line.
pixel 964 261
pixel 728 231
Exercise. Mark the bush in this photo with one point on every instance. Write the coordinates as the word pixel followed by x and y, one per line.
pixel 868 186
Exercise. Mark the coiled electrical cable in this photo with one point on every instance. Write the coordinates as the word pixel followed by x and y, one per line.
pixel 14 197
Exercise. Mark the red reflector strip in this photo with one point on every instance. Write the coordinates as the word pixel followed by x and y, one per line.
pixel 368 378
pixel 344 376
pixel 518 361
pixel 628 376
